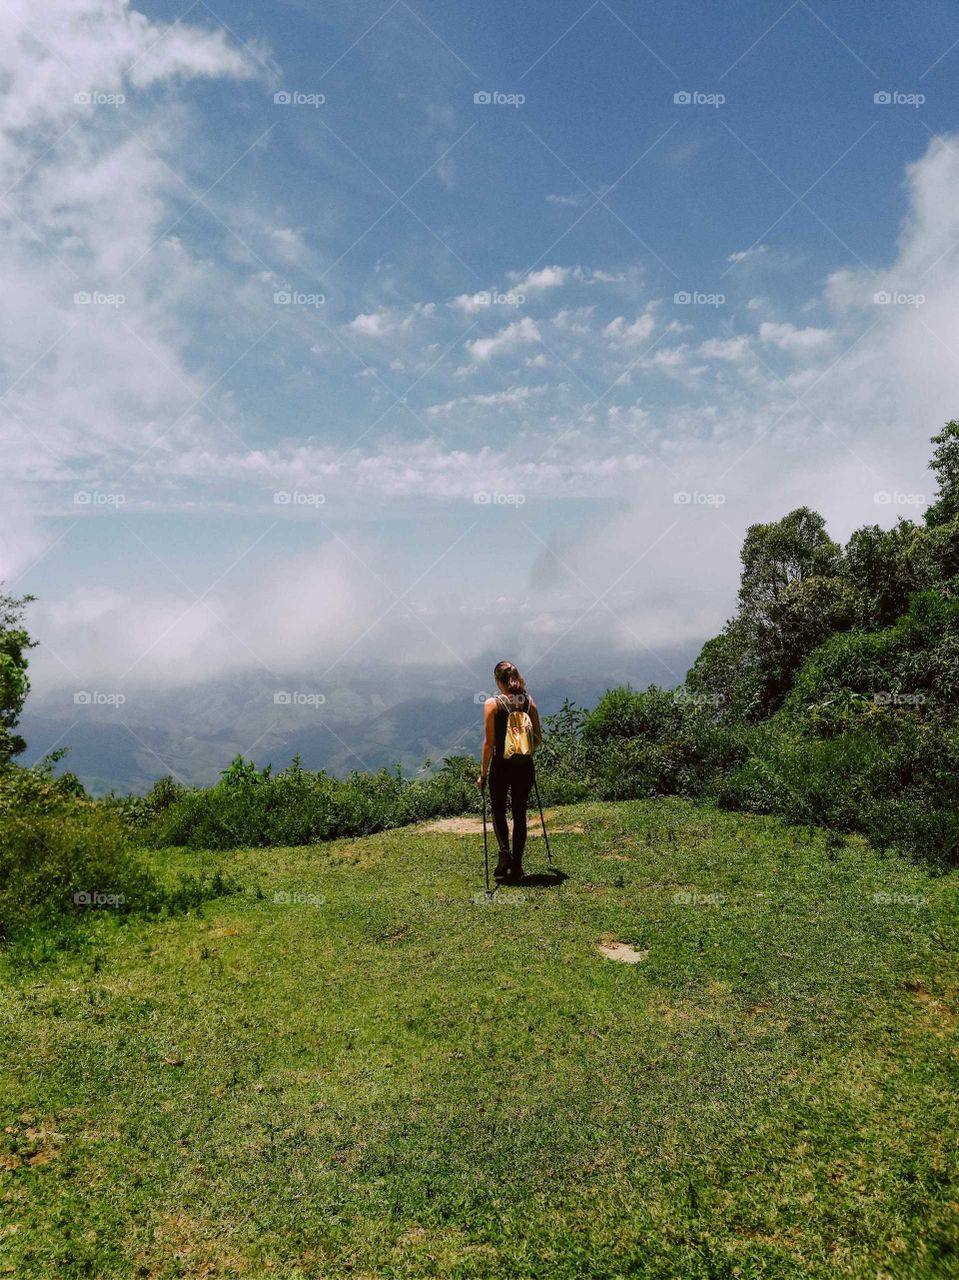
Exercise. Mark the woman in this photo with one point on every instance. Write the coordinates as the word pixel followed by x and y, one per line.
pixel 512 777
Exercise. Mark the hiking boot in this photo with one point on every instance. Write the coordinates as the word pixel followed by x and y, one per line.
pixel 516 871
pixel 503 870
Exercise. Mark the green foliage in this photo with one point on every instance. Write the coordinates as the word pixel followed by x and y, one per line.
pixel 896 781
pixel 254 807
pixel 36 789
pixel 66 860
pixel 831 697
pixel 14 684
pixel 945 467
pixel 626 713
pixel 792 596
pixel 561 767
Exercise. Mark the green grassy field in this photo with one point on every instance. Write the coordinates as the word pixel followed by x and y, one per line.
pixel 358 1067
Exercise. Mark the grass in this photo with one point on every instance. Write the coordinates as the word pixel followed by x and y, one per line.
pixel 359 1068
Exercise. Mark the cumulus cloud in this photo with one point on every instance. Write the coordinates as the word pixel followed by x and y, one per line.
pixel 638 331
pixel 373 324
pixel 544 278
pixel 96 352
pixel 734 349
pixel 788 338
pixel 508 339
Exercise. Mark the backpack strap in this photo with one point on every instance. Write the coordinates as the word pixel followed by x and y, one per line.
pixel 503 699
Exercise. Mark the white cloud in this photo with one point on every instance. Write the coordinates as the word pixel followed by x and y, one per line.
pixel 742 254
pixel 600 277
pixel 668 357
pixel 574 319
pixel 373 324
pixel 87 384
pixel 544 278
pixel 508 339
pixel 641 328
pixel 471 303
pixel 734 349
pixel 788 338
pixel 494 399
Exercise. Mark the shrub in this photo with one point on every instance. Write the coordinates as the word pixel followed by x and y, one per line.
pixel 63 857
pixel 250 807
pixel 36 790
pixel 66 863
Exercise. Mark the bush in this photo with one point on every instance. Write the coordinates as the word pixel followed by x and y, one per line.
pixel 36 790
pixel 64 864
pixel 63 857
pixel 896 782
pixel 250 807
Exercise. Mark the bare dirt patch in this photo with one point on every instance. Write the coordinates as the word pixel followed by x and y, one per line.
pixel 474 826
pixel 621 951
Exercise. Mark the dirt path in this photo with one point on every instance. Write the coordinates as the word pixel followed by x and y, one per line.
pixel 472 826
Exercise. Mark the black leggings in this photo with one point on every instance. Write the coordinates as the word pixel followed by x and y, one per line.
pixel 513 777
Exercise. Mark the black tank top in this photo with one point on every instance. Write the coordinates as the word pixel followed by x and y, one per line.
pixel 516 702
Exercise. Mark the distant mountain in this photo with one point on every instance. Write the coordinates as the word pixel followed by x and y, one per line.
pixel 367 722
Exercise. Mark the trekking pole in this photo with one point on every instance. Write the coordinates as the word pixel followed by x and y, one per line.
pixel 489 892
pixel 549 856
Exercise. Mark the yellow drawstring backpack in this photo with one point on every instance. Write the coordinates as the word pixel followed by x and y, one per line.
pixel 519 730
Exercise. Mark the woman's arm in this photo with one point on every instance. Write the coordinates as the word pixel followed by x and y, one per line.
pixel 489 712
pixel 537 727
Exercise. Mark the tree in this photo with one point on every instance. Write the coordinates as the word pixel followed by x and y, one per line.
pixel 776 556
pixel 726 678
pixel 945 466
pixel 14 684
pixel 792 596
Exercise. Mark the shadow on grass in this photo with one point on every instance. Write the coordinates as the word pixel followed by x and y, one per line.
pixel 543 879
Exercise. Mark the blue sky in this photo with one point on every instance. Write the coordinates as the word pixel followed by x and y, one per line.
pixel 486 419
